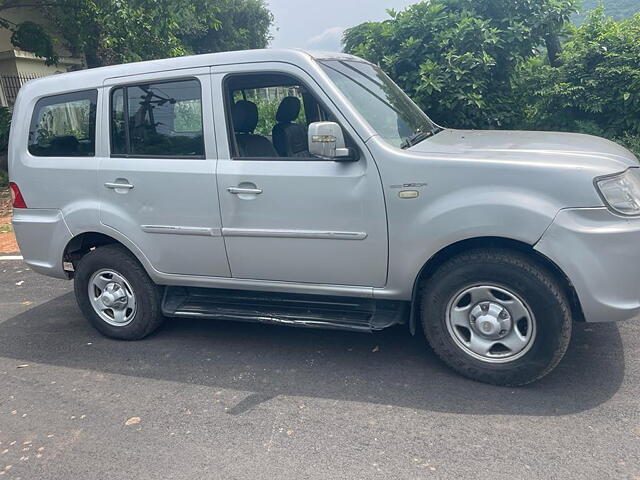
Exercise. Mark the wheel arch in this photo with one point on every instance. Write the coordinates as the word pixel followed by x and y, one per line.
pixel 450 251
pixel 83 243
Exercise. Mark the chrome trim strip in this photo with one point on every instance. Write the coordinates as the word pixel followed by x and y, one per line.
pixel 312 234
pixel 179 230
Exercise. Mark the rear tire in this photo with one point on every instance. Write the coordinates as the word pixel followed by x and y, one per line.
pixel 496 316
pixel 116 295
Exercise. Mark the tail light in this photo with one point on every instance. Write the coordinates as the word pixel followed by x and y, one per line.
pixel 16 197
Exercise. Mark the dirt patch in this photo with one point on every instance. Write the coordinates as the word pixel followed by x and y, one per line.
pixel 8 242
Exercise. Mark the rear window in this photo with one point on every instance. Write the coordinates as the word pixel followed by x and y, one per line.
pixel 157 120
pixel 64 125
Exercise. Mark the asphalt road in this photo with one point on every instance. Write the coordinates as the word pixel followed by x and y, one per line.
pixel 216 400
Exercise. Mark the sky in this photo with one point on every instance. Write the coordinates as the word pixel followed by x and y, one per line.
pixel 319 24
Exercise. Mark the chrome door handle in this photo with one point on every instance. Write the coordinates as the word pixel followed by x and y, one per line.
pixel 113 186
pixel 244 191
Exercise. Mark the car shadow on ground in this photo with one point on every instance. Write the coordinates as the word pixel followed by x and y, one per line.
pixel 387 368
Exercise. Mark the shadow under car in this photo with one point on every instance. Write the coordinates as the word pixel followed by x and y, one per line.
pixel 388 367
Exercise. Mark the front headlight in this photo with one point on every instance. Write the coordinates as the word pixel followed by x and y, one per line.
pixel 621 192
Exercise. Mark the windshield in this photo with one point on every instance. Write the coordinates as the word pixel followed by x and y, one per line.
pixel 381 102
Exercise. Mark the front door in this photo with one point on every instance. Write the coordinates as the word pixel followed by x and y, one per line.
pixel 288 216
pixel 158 183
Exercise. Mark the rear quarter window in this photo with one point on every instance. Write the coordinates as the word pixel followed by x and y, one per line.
pixel 64 125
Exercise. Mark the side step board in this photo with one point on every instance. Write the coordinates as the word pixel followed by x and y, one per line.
pixel 316 311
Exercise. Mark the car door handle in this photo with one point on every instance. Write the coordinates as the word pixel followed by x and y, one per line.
pixel 113 186
pixel 244 191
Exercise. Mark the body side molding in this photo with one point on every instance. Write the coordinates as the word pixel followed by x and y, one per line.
pixel 318 234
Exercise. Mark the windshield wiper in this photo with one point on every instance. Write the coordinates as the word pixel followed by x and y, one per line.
pixel 416 138
pixel 419 136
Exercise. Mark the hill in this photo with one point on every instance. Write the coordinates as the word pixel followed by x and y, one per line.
pixel 618 9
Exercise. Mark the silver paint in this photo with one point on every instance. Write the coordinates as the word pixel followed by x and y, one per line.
pixel 533 187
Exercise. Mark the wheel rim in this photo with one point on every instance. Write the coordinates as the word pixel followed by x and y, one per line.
pixel 491 323
pixel 112 297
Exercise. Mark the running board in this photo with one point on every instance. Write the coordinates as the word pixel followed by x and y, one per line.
pixel 300 310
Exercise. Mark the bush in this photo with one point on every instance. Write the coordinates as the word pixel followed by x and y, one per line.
pixel 456 58
pixel 597 87
pixel 4 179
pixel 5 124
pixel 480 64
pixel 632 142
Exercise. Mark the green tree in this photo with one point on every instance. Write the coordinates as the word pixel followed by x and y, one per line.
pixel 456 58
pixel 116 31
pixel 28 35
pixel 597 87
pixel 245 24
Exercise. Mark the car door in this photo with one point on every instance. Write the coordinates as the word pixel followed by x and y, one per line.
pixel 298 219
pixel 157 182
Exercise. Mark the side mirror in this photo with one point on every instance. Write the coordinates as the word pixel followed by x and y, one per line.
pixel 326 140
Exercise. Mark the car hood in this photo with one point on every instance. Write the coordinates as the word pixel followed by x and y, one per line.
pixel 570 147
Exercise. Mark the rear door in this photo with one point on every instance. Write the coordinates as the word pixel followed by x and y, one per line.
pixel 310 220
pixel 158 183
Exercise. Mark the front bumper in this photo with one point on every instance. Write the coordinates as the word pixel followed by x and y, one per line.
pixel 42 235
pixel 600 254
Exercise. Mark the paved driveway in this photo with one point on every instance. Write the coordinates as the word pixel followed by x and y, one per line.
pixel 216 400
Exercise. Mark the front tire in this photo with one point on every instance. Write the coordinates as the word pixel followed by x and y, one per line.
pixel 116 295
pixel 496 316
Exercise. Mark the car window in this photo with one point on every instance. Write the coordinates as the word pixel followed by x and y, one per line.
pixel 268 116
pixel 268 100
pixel 188 116
pixel 64 125
pixel 157 120
pixel 380 102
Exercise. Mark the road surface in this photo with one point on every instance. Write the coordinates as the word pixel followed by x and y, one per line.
pixel 217 400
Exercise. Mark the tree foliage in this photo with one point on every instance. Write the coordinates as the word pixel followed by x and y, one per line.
pixel 245 25
pixel 597 87
pixel 483 64
pixel 118 31
pixel 5 124
pixel 456 58
pixel 28 36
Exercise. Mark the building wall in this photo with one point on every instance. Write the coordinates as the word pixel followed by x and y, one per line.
pixel 17 66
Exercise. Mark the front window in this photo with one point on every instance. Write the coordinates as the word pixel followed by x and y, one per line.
pixel 269 114
pixel 381 102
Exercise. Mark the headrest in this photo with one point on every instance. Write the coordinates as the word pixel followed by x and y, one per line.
pixel 288 110
pixel 245 116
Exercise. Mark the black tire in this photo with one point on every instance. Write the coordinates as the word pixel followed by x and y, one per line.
pixel 147 317
pixel 515 271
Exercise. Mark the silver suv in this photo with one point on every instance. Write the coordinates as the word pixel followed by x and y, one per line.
pixel 308 190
